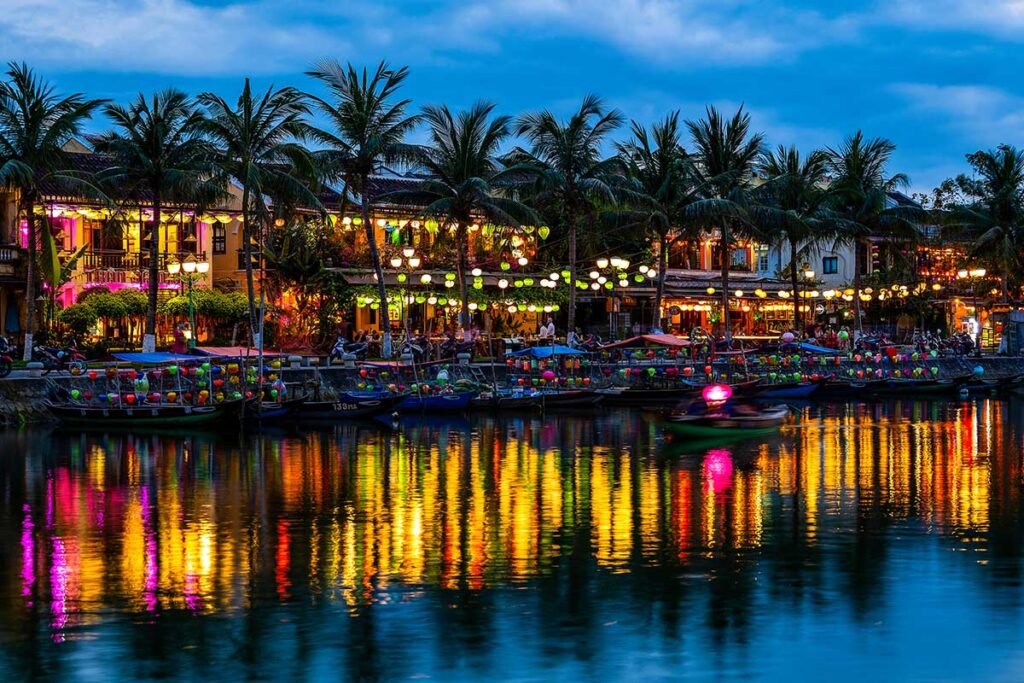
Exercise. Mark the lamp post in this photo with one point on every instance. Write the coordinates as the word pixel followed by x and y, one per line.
pixel 808 277
pixel 973 275
pixel 187 272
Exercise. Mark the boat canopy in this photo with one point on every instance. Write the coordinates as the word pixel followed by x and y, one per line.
pixel 155 358
pixel 546 351
pixel 235 352
pixel 811 348
pixel 669 340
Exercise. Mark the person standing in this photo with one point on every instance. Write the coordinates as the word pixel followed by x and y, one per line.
pixel 547 331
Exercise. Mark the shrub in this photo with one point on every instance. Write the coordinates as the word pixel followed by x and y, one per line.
pixel 79 318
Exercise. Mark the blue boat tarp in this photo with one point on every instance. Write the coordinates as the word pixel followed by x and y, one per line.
pixel 546 351
pixel 155 358
pixel 810 348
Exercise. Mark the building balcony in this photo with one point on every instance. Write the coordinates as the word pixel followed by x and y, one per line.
pixel 11 262
pixel 101 266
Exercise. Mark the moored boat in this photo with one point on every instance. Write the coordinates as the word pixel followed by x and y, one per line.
pixel 274 410
pixel 436 403
pixel 350 404
pixel 145 414
pixel 788 390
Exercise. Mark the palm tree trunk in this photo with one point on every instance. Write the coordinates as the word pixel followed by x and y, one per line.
pixel 793 281
pixel 460 271
pixel 149 339
pixel 856 290
pixel 30 276
pixel 659 292
pixel 726 258
pixel 250 287
pixel 382 291
pixel 571 325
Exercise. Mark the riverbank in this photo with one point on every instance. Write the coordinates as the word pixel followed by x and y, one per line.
pixel 22 398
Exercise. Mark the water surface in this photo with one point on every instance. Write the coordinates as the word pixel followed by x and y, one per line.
pixel 878 541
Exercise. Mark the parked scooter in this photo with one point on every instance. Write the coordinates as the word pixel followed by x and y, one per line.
pixel 53 358
pixel 345 350
pixel 7 353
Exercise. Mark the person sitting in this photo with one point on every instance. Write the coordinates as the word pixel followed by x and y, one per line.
pixel 572 338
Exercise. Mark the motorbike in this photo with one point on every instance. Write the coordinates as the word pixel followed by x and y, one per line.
pixel 53 358
pixel 7 351
pixel 452 347
pixel 345 350
pixel 418 348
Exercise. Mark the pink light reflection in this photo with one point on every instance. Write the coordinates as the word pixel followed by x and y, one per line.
pixel 718 471
pixel 28 554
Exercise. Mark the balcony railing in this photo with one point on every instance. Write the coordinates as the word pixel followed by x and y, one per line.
pixel 111 265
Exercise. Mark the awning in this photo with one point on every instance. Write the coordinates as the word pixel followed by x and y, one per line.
pixel 669 340
pixel 234 352
pixel 813 348
pixel 155 358
pixel 546 351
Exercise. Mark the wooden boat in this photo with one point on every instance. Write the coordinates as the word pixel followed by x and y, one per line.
pixel 717 425
pixel 913 388
pixel 570 398
pixel 640 396
pixel 350 404
pixel 506 399
pixel 274 410
pixel 148 415
pixel 437 403
pixel 788 390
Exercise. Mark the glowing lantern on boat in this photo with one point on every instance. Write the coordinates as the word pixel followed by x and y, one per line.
pixel 715 395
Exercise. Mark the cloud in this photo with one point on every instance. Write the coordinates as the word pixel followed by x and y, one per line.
pixel 163 36
pixel 666 32
pixel 1003 18
pixel 984 115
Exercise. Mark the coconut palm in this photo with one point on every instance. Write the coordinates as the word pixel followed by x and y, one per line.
pixel 661 198
pixel 157 148
pixel 35 123
pixel 794 204
pixel 259 144
pixel 860 191
pixel 725 156
pixel 368 125
pixel 995 219
pixel 573 182
pixel 465 180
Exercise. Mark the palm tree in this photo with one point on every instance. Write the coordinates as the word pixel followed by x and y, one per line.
pixel 726 154
pixel 995 220
pixel 662 194
pixel 465 180
pixel 368 128
pixel 35 123
pixel 860 199
pixel 259 145
pixel 157 148
pixel 794 204
pixel 573 182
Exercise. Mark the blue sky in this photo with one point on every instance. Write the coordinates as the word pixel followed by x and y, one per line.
pixel 939 77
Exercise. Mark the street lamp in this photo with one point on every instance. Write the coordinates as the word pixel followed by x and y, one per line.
pixel 187 272
pixel 973 275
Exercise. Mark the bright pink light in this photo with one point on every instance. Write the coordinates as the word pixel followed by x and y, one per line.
pixel 716 393
pixel 718 471
pixel 28 554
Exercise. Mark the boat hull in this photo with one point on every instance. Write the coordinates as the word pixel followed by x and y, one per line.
pixel 437 403
pixel 147 415
pixel 793 390
pixel 273 410
pixel 723 426
pixel 350 405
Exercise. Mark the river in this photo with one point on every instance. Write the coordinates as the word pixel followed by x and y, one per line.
pixel 866 541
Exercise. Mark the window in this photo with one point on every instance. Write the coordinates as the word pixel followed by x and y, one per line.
pixel 762 260
pixel 830 265
pixel 220 238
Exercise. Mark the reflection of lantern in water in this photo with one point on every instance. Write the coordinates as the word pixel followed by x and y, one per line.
pixel 718 471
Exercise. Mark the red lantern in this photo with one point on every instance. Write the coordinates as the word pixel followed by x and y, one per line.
pixel 129 399
pixel 707 369
pixel 362 373
pixel 687 371
pixel 92 374
pixel 586 381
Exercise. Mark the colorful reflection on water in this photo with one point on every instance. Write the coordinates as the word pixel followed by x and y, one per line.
pixel 864 538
